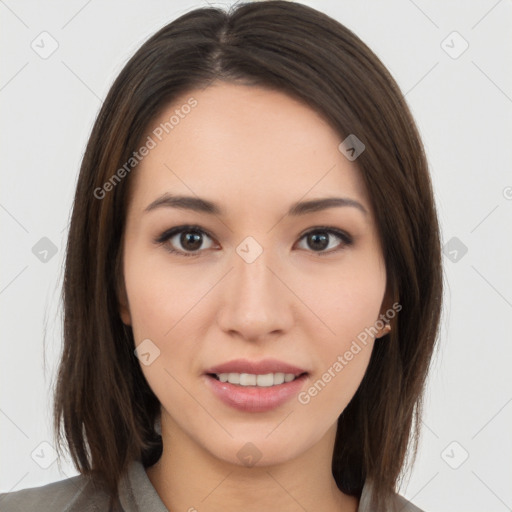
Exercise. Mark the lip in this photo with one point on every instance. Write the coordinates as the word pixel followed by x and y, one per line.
pixel 256 367
pixel 254 398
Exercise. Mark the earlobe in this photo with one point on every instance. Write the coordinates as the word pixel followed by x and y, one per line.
pixel 124 313
pixel 124 310
pixel 385 330
pixel 383 318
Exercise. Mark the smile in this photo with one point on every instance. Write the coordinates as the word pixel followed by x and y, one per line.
pixel 250 379
pixel 255 397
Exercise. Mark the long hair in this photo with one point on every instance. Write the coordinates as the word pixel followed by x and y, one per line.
pixel 104 408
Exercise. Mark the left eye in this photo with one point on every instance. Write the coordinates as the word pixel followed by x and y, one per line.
pixel 319 239
pixel 191 239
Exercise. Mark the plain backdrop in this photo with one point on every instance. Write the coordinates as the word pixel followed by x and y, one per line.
pixel 452 61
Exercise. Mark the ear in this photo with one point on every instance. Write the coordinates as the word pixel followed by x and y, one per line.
pixel 385 330
pixel 387 303
pixel 124 308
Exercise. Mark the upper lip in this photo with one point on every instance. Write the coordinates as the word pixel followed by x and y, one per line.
pixel 256 367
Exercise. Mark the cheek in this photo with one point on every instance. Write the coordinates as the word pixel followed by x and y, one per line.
pixel 342 358
pixel 329 392
pixel 166 307
pixel 349 305
pixel 160 295
pixel 346 300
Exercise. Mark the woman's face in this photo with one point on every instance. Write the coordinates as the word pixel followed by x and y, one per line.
pixel 264 277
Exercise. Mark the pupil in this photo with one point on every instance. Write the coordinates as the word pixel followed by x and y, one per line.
pixel 315 238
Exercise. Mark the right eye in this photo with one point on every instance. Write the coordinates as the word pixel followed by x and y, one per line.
pixel 184 240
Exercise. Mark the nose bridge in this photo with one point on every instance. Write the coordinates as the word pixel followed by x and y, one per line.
pixel 255 302
pixel 254 284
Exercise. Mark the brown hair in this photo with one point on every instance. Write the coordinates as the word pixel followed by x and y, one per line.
pixel 103 405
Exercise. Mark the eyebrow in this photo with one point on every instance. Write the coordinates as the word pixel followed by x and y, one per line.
pixel 201 205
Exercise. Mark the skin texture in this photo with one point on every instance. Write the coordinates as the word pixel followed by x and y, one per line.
pixel 254 152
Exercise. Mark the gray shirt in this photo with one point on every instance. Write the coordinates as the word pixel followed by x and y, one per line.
pixel 136 494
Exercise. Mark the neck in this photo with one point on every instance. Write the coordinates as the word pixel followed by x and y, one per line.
pixel 187 477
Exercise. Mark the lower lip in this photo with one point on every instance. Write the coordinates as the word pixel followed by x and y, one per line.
pixel 254 398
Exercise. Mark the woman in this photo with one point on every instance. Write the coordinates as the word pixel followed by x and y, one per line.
pixel 253 276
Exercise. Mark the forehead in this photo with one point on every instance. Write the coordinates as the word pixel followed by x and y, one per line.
pixel 243 144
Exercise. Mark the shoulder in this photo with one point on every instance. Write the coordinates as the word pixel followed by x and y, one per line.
pixel 402 505
pixel 72 494
pixel 396 503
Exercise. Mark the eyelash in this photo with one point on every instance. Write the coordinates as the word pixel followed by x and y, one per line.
pixel 168 234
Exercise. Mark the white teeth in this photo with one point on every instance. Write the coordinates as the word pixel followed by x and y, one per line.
pixel 234 378
pixel 248 379
pixel 279 378
pixel 265 381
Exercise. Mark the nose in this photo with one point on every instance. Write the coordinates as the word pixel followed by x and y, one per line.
pixel 255 302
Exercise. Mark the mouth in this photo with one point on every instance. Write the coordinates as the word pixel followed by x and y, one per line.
pixel 266 380
pixel 262 367
pixel 255 386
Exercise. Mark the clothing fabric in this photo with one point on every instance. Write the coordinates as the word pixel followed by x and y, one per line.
pixel 136 494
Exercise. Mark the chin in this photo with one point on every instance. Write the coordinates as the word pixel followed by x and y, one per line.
pixel 259 449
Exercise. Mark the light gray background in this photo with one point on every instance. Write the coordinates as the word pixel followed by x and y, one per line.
pixel 463 108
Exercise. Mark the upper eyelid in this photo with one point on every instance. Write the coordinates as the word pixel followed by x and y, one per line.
pixel 169 233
